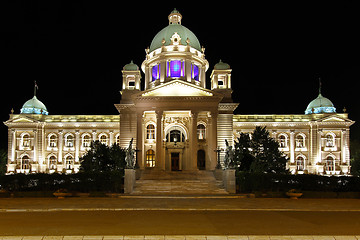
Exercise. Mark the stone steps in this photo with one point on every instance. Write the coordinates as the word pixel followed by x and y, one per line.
pixel 178 183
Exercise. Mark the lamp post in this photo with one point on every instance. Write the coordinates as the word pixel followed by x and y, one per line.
pixel 218 150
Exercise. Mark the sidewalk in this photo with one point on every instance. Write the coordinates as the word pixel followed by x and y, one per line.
pixel 178 203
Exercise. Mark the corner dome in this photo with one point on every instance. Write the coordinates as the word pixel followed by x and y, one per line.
pixel 187 36
pixel 320 105
pixel 131 66
pixel 221 66
pixel 34 106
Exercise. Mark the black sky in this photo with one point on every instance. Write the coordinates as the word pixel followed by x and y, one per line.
pixel 76 50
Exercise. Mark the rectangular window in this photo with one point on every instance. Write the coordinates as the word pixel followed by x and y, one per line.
pixel 195 72
pixel 156 72
pixel 175 68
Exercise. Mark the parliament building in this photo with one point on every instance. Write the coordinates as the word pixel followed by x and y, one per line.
pixel 176 121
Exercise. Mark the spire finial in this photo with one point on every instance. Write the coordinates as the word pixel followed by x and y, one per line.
pixel 35 88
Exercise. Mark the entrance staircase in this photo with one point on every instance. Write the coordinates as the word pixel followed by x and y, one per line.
pixel 155 182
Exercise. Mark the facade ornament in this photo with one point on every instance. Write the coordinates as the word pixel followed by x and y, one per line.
pixel 129 158
pixel 229 156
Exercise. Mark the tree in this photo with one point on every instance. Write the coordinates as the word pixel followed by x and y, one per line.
pixel 3 161
pixel 102 158
pixel 260 153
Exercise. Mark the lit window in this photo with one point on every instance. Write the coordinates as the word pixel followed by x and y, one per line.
pixel 156 72
pixel 282 141
pixel 201 132
pixel 300 142
pixel 52 163
pixel 175 68
pixel 52 141
pixel 150 131
pixel 300 163
pixel 69 162
pixel 103 139
pixel 329 140
pixel 195 72
pixel 150 158
pixel 329 163
pixel 26 140
pixel 69 141
pixel 86 141
pixel 25 162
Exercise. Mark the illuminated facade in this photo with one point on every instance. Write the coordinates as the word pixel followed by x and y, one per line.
pixel 176 122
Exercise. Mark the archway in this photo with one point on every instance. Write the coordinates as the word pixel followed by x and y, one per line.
pixel 201 160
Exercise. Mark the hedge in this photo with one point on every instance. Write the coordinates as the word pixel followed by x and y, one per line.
pixel 79 182
pixel 251 182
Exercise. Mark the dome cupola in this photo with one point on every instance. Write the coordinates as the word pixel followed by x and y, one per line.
pixel 320 104
pixel 34 106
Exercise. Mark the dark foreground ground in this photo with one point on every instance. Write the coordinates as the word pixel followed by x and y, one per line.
pixel 179 216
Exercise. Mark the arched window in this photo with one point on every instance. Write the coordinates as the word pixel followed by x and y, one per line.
pixel 201 132
pixel 69 140
pixel 69 162
pixel 150 158
pixel 86 141
pixel 300 141
pixel 330 163
pixel 25 162
pixel 330 140
pixel 150 131
pixel 53 141
pixel 282 141
pixel 300 163
pixel 103 139
pixel 52 162
pixel 25 140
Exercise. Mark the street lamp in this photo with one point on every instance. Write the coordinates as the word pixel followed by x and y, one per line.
pixel 218 150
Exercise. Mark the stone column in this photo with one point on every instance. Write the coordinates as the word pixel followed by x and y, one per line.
pixel 77 145
pixel 193 141
pixel 139 138
pixel 160 163
pixel 13 145
pixel 60 159
pixel 292 146
pixel 213 140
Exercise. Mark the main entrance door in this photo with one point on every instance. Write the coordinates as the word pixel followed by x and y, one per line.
pixel 201 159
pixel 175 158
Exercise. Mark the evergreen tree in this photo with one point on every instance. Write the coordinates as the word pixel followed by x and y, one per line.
pixel 101 158
pixel 260 153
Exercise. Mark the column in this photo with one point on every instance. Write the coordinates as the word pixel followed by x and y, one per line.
pixel 139 139
pixel 60 159
pixel 213 140
pixel 292 146
pixel 159 162
pixel 193 140
pixel 77 145
pixel 13 145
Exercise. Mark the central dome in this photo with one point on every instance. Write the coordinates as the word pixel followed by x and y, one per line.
pixel 175 27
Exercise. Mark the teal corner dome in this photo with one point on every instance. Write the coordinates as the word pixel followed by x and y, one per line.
pixel 34 106
pixel 320 105
pixel 131 66
pixel 221 66
pixel 163 38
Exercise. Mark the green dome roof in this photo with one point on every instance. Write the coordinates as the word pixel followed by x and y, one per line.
pixel 34 106
pixel 221 66
pixel 175 27
pixel 131 67
pixel 320 105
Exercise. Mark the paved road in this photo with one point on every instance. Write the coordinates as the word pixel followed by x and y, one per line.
pixel 135 222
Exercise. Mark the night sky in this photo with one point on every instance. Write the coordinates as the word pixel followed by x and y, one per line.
pixel 76 50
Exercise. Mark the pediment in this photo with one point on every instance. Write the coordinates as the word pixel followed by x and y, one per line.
pixel 22 119
pixel 177 88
